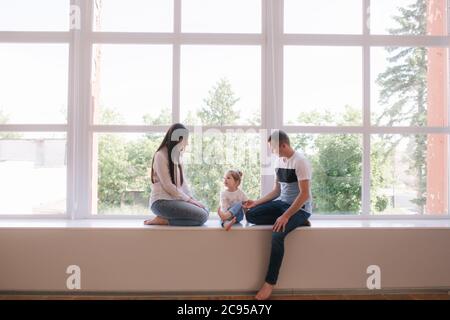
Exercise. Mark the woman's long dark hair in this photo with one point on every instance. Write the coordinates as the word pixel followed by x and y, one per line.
pixel 176 133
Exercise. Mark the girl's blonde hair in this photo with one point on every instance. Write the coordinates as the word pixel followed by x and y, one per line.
pixel 236 174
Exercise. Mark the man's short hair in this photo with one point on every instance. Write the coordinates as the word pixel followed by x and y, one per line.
pixel 280 136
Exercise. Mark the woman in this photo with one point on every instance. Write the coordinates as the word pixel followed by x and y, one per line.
pixel 171 200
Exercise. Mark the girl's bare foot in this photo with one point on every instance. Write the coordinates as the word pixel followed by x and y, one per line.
pixel 156 221
pixel 229 223
pixel 265 292
pixel 224 216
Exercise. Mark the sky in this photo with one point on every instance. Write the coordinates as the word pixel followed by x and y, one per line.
pixel 137 79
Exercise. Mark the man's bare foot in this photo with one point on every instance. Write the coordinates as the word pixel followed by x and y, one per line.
pixel 229 223
pixel 156 221
pixel 265 292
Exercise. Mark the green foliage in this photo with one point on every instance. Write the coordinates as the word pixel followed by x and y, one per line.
pixel 222 152
pixel 218 108
pixel 124 165
pixel 4 119
pixel 404 92
pixel 164 118
pixel 337 164
pixel 112 171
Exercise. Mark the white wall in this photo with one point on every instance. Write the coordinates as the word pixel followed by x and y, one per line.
pixel 155 260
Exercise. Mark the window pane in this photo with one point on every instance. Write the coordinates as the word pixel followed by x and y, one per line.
pixel 322 85
pixel 223 16
pixel 33 173
pixel 408 17
pixel 132 84
pixel 221 85
pixel 33 82
pixel 32 15
pixel 133 15
pixel 121 182
pixel 337 171
pixel 409 86
pixel 409 174
pixel 205 167
pixel 324 16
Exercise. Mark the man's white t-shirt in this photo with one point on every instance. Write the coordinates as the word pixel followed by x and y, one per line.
pixel 289 171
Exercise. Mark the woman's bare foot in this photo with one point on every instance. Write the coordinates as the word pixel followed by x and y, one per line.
pixel 156 221
pixel 265 292
pixel 229 223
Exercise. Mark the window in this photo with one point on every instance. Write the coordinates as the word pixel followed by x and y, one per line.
pixel 372 119
pixel 323 16
pixel 408 86
pixel 133 15
pixel 310 72
pixel 221 16
pixel 33 173
pixel 408 17
pixel 121 163
pixel 212 153
pixel 211 72
pixel 34 108
pixel 133 83
pixel 32 15
pixel 336 160
pixel 409 173
pixel 362 91
pixel 34 83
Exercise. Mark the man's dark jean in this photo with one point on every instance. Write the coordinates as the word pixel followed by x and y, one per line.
pixel 268 213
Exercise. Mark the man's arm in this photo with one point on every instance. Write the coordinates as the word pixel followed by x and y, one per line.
pixel 299 201
pixel 268 197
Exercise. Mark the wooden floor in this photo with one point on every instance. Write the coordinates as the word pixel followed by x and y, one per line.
pixel 435 296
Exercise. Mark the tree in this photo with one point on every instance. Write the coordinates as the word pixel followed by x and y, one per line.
pixel 163 118
pixel 124 165
pixel 4 119
pixel 220 152
pixel 218 108
pixel 337 165
pixel 404 92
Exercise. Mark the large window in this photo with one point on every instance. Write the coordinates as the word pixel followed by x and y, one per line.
pixel 89 87
pixel 373 93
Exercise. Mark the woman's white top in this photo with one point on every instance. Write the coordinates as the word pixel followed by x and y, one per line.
pixel 227 198
pixel 163 187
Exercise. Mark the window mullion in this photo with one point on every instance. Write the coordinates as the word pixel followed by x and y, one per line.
pixel 82 136
pixel 365 192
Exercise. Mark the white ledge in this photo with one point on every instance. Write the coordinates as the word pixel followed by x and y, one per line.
pixel 322 224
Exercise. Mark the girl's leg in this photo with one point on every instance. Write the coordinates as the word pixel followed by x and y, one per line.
pixel 237 211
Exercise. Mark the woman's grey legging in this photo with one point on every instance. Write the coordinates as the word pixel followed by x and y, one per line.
pixel 180 213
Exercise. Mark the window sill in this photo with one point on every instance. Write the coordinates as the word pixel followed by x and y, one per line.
pixel 319 224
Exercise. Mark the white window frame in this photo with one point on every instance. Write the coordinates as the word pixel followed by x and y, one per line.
pixel 80 129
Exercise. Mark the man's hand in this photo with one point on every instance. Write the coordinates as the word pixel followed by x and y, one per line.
pixel 249 204
pixel 280 224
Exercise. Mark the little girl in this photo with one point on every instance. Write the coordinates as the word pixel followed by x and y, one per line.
pixel 231 199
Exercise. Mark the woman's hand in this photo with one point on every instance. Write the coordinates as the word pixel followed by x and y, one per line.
pixel 196 203
pixel 249 204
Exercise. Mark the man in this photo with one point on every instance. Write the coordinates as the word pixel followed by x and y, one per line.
pixel 287 206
